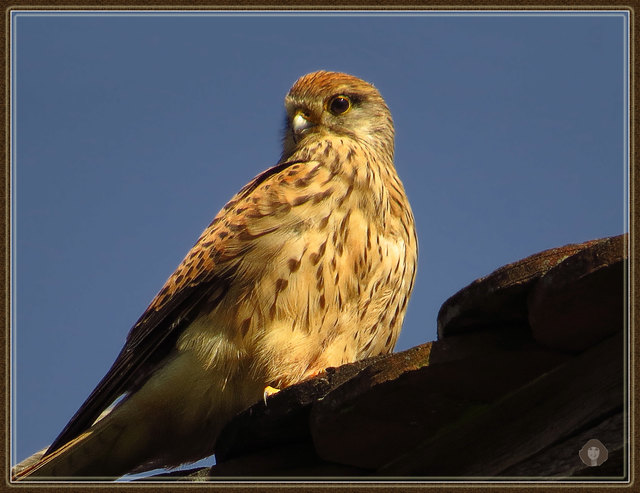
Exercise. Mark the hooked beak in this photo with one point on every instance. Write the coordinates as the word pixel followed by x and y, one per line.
pixel 300 123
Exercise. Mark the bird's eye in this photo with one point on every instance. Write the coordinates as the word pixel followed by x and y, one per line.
pixel 339 105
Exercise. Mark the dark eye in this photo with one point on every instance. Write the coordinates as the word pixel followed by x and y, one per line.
pixel 339 105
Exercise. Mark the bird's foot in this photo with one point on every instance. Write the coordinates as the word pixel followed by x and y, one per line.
pixel 268 391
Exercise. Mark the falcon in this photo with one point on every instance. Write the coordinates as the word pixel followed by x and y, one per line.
pixel 309 266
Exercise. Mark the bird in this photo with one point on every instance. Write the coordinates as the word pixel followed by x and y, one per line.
pixel 309 266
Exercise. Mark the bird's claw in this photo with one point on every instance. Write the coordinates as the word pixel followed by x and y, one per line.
pixel 269 390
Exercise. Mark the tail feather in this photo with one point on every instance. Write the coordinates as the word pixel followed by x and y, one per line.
pixel 103 451
pixel 173 419
pixel 49 466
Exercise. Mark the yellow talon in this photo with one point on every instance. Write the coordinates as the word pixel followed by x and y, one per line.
pixel 269 390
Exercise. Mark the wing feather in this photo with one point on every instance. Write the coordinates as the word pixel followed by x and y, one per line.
pixel 207 269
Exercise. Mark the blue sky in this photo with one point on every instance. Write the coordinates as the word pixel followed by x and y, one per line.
pixel 130 132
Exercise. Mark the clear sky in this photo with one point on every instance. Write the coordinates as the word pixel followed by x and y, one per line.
pixel 132 131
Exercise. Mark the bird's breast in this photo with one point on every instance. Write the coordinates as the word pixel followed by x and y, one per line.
pixel 326 278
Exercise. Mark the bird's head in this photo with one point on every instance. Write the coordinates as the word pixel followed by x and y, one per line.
pixel 322 104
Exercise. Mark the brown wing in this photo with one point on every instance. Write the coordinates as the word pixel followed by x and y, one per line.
pixel 205 273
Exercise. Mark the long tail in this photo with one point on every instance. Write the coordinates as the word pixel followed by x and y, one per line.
pixel 42 466
pixel 174 418
pixel 93 454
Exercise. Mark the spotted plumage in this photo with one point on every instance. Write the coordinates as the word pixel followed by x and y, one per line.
pixel 309 266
